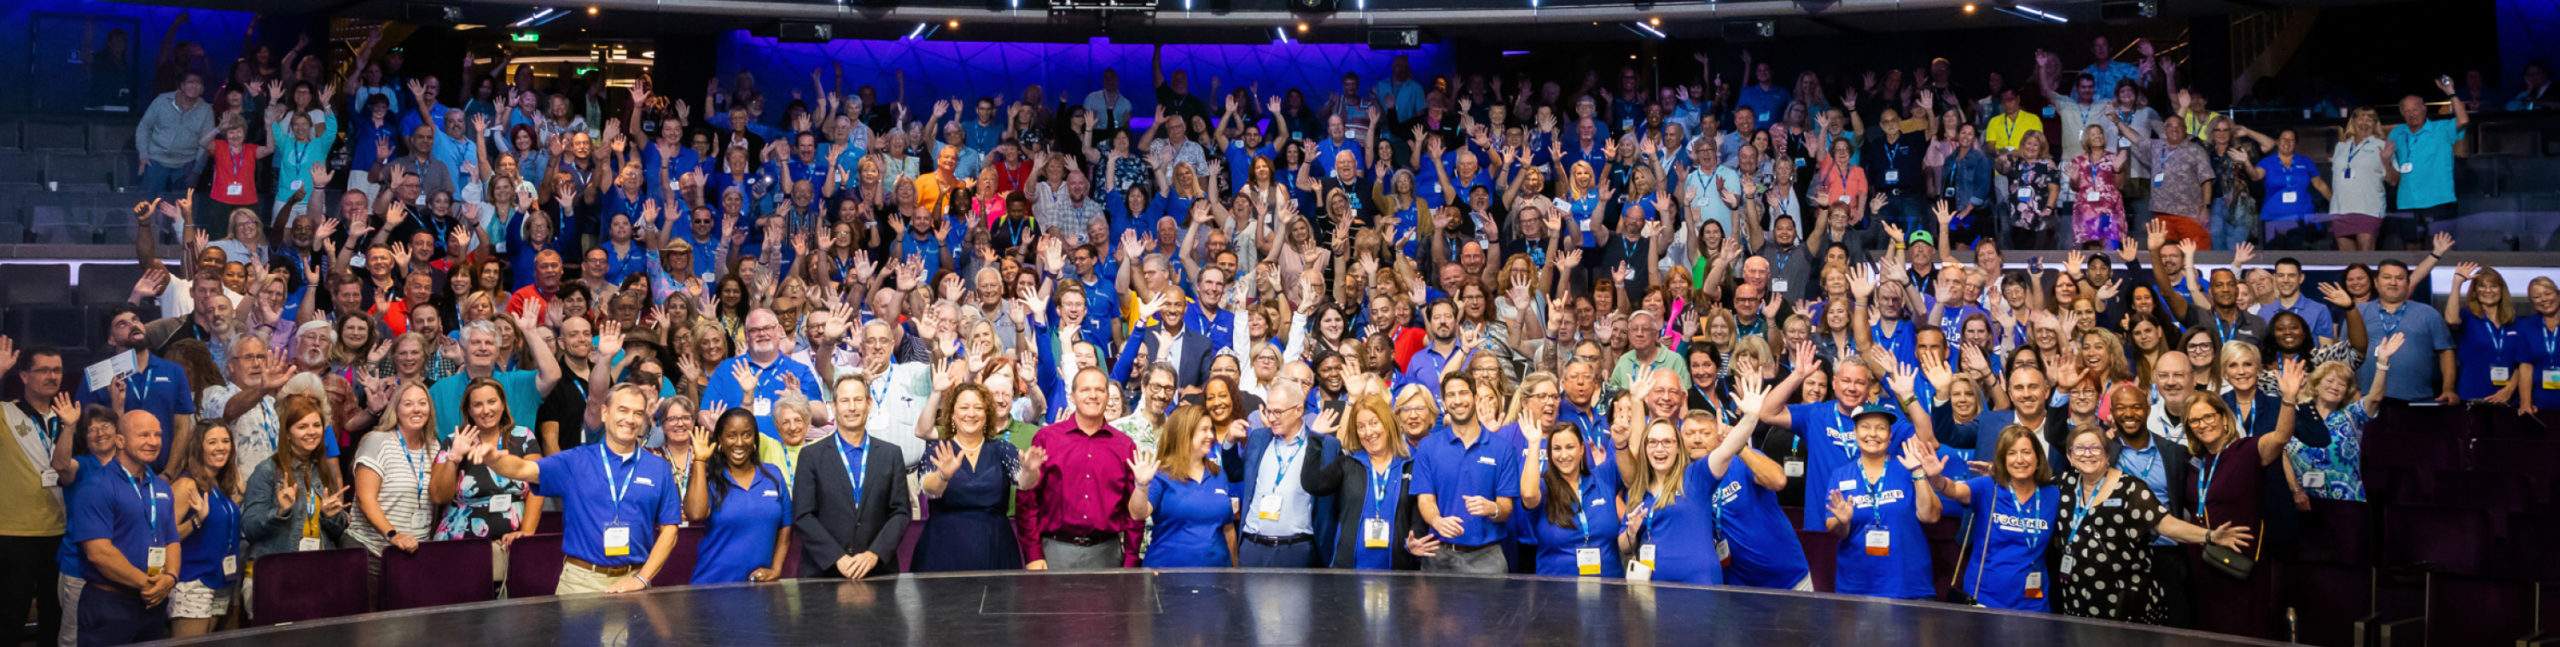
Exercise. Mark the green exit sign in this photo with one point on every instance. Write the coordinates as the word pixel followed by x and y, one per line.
pixel 526 37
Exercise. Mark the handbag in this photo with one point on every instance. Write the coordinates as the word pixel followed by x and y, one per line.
pixel 2229 562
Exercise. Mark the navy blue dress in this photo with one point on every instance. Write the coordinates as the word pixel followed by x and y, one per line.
pixel 967 529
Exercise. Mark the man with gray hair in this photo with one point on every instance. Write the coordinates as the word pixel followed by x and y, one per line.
pixel 1284 525
pixel 248 400
pixel 1645 355
pixel 757 378
pixel 523 388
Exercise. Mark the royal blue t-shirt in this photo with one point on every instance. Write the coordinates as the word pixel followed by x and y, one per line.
pixel 1830 440
pixel 1683 534
pixel 1765 551
pixel 1378 501
pixel 749 519
pixel 1186 523
pixel 1596 525
pixel 2541 348
pixel 68 558
pixel 134 513
pixel 1888 504
pixel 2006 568
pixel 2288 188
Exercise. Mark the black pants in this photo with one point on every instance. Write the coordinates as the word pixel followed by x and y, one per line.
pixel 27 581
pixel 2410 233
pixel 2171 570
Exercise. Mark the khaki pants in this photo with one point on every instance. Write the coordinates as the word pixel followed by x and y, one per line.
pixel 578 580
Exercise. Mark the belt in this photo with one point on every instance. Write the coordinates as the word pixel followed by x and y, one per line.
pixel 1265 540
pixel 1083 539
pixel 607 571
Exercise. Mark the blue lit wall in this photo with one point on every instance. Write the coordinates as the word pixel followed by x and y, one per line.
pixel 945 69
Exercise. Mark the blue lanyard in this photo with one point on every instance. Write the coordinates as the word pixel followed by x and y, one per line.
pixel 2550 342
pixel 1279 476
pixel 1378 481
pixel 1846 424
pixel 605 455
pixel 2497 338
pixel 146 490
pixel 2081 509
pixel 2204 484
pixel 1875 496
pixel 1582 511
pixel 140 381
pixel 405 461
pixel 854 469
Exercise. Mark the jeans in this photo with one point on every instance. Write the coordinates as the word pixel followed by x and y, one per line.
pixel 164 181
pixel 2230 226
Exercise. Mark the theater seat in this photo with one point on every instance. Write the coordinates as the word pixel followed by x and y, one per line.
pixel 533 566
pixel 293 587
pixel 441 572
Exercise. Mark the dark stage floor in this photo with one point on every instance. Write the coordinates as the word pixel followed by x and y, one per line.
pixel 1207 607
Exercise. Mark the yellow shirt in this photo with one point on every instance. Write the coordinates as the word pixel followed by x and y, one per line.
pixel 32 509
pixel 2006 131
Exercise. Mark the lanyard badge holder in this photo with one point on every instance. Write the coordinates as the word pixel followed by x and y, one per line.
pixel 617 535
pixel 310 524
pixel 1641 569
pixel 1586 557
pixel 1374 531
pixel 1879 540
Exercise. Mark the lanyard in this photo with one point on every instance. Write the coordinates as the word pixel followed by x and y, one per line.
pixel 854 469
pixel 140 381
pixel 1847 426
pixel 2497 338
pixel 2550 343
pixel 416 474
pixel 2352 151
pixel 1582 510
pixel 1378 481
pixel 2081 509
pixel 605 455
pixel 146 490
pixel 1280 476
pixel 1875 496
pixel 2204 485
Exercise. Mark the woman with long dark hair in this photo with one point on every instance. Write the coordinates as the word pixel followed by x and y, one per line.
pixel 478 502
pixel 209 521
pixel 748 511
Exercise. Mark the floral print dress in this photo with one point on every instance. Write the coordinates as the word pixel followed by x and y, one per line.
pixel 2097 208
pixel 2032 185
pixel 486 505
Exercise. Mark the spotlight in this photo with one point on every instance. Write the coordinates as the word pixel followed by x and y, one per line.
pixel 1655 21
pixel 1302 27
pixel 592 10
pixel 1968 8
pixel 953 24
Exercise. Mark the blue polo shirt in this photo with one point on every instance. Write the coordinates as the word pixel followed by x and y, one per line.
pixel 2413 370
pixel 599 490
pixel 134 513
pixel 2541 348
pixel 67 559
pixel 1424 368
pixel 2313 313
pixel 158 386
pixel 1684 533
pixel 2487 352
pixel 1187 521
pixel 2425 158
pixel 725 392
pixel 1596 523
pixel 1765 551
pixel 1830 440
pixel 744 526
pixel 2288 187
pixel 1451 470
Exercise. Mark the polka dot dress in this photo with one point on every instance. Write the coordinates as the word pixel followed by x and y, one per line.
pixel 2106 556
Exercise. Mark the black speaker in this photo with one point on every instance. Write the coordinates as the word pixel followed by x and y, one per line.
pixel 2123 10
pixel 1311 6
pixel 805 32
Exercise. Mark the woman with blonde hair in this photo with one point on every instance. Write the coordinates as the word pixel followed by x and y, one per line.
pixel 1417 412
pixel 2334 472
pixel 1376 461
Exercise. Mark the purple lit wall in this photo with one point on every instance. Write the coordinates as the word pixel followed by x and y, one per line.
pixel 945 69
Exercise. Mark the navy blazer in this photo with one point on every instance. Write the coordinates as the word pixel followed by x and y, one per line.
pixel 1197 349
pixel 1344 473
pixel 1244 464
pixel 828 524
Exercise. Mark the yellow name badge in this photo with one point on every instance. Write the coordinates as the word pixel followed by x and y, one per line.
pixel 2551 379
pixel 1373 533
pixel 617 541
pixel 156 561
pixel 1587 561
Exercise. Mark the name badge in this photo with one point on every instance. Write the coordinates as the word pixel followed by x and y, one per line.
pixel 2091 196
pixel 2067 561
pixel 2035 586
pixel 1892 177
pixel 2157 178
pixel 2498 375
pixel 230 565
pixel 502 502
pixel 1879 542
pixel 617 540
pixel 1724 551
pixel 2407 167
pixel 763 407
pixel 1795 469
pixel 1586 561
pixel 2026 193
pixel 1777 285
pixel 1373 533
pixel 50 479
pixel 231 190
pixel 2315 479
pixel 156 561
pixel 1644 555
pixel 307 544
pixel 2291 197
pixel 2551 378
pixel 1267 514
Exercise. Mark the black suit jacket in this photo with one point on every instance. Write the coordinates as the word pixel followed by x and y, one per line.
pixel 830 524
pixel 1347 478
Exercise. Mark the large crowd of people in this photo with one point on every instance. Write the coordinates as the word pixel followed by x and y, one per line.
pixel 1647 329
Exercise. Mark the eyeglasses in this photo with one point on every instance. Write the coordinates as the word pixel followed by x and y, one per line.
pixel 2202 345
pixel 2086 450
pixel 1658 442
pixel 1281 411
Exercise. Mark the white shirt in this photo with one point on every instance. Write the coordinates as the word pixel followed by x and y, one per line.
pixel 897 401
pixel 1277 491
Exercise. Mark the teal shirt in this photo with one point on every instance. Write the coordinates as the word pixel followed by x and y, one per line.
pixel 2425 157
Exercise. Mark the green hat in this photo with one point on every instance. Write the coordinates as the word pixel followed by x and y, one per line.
pixel 1922 237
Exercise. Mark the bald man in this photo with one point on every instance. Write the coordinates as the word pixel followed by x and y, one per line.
pixel 127 531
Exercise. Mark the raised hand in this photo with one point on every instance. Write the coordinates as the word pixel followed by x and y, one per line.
pixel 334 503
pixel 1839 507
pixel 946 460
pixel 1034 458
pixel 1142 466
pixel 2336 296
pixel 1917 458
pixel 2389 346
